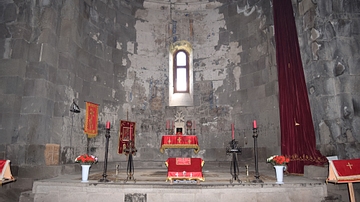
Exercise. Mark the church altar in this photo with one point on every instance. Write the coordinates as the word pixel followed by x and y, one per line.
pixel 184 169
pixel 179 142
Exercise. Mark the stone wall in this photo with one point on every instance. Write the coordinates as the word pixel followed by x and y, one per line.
pixel 115 54
pixel 329 36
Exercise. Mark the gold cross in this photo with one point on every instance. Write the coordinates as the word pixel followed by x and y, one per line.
pixel 169 141
pixel 189 141
pixel 179 139
pixel 350 165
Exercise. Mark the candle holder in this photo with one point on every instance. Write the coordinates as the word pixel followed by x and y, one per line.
pixel 257 176
pixel 234 167
pixel 188 131
pixel 189 126
pixel 130 151
pixel 107 135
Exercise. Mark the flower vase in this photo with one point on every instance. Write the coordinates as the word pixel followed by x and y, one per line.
pixel 279 170
pixel 85 172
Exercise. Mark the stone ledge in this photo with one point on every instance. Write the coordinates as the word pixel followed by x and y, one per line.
pixel 316 172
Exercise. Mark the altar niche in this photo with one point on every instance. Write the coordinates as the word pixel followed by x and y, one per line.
pixel 179 131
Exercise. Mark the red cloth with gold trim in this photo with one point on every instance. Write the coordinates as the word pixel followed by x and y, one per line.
pixel 127 133
pixel 179 141
pixel 185 169
pixel 91 119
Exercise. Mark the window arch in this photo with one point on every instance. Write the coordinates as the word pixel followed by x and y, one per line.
pixel 181 74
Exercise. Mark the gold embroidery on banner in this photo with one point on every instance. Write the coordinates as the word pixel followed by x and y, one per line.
pixel 304 157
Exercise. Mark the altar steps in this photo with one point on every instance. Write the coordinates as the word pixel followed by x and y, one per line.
pixel 150 185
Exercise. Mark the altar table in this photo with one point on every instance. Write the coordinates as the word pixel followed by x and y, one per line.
pixel 185 169
pixel 179 141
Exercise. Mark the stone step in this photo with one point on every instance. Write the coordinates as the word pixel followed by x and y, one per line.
pixel 26 196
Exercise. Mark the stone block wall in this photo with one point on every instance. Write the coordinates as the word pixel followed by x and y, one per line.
pixel 329 39
pixel 115 54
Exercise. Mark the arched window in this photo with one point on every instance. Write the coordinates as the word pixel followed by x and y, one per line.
pixel 181 74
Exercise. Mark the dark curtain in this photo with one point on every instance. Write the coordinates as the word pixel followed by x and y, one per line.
pixel 297 130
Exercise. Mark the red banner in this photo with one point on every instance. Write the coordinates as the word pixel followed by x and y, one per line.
pixel 127 133
pixel 91 119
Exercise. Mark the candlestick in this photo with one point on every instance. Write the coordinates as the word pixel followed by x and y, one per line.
pixel 108 125
pixel 232 131
pixel 254 124
pixel 257 175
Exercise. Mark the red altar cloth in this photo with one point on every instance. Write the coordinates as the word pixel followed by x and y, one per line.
pixel 185 169
pixel 176 141
pixel 343 171
pixel 5 173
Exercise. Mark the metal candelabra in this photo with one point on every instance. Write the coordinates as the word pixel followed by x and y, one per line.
pixel 234 167
pixel 130 151
pixel 107 135
pixel 257 176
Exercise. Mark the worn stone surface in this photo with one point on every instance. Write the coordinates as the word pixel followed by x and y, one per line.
pixel 52 154
pixel 330 74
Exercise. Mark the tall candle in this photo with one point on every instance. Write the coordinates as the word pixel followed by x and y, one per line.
pixel 107 124
pixel 167 124
pixel 232 131
pixel 194 125
pixel 254 124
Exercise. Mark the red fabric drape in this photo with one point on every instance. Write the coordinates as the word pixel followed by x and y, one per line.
pixel 297 129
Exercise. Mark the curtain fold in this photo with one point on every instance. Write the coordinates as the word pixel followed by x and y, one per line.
pixel 297 130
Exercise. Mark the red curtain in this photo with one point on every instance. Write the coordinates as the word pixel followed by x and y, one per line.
pixel 297 129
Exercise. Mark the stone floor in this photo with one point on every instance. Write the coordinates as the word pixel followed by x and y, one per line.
pixel 151 185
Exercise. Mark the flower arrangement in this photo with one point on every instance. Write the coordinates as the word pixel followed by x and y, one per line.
pixel 278 160
pixel 86 159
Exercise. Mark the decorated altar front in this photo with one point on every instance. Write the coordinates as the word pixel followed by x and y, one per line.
pixel 179 142
pixel 185 169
